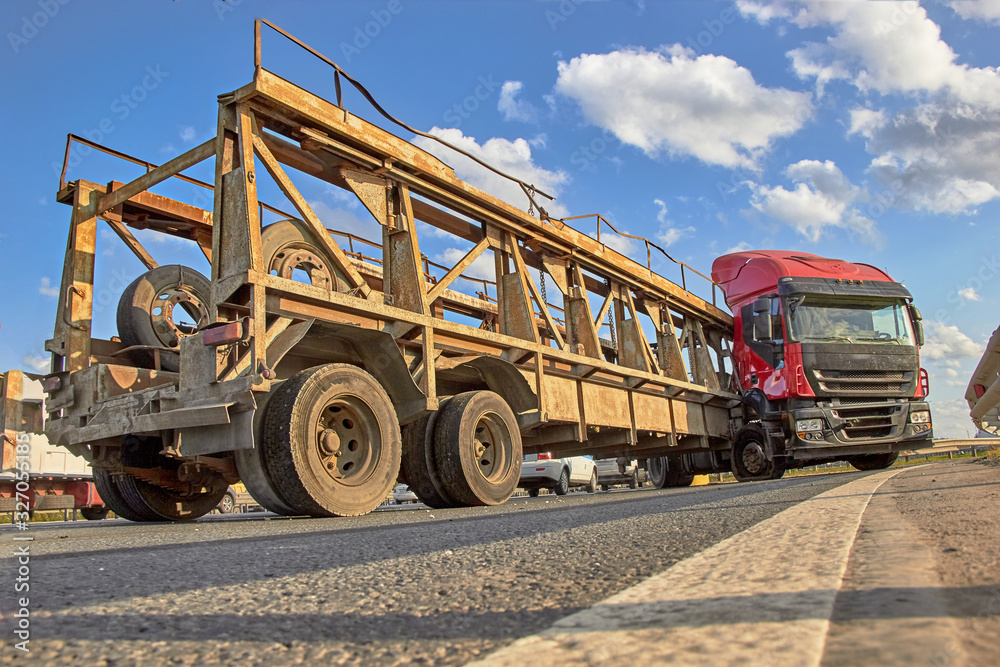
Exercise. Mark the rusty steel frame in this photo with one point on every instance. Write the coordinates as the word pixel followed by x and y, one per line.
pixel 572 390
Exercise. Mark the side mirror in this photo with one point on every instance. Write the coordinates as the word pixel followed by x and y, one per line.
pixel 762 326
pixel 918 325
pixel 762 305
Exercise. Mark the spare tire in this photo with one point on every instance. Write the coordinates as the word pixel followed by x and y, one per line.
pixel 146 312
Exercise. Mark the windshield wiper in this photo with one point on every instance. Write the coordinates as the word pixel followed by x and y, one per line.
pixel 881 340
pixel 829 338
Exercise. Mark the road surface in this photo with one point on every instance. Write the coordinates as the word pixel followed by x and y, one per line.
pixel 712 575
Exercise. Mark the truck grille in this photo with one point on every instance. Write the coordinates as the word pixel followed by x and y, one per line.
pixel 866 422
pixel 870 382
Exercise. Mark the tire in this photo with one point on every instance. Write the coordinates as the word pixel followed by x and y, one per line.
pixel 290 251
pixel 873 461
pixel 533 493
pixel 477 449
pixel 633 483
pixel 562 486
pixel 162 503
pixel 592 485
pixel 146 312
pixel 418 467
pixel 94 513
pixel 228 504
pixel 253 472
pixel 656 471
pixel 749 456
pixel 107 489
pixel 332 442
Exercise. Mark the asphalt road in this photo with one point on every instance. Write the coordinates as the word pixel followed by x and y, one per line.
pixel 392 587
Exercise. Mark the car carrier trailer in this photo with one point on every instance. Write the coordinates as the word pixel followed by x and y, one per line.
pixel 319 375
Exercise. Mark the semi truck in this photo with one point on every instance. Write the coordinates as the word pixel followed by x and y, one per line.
pixel 319 368
pixel 37 475
pixel 826 359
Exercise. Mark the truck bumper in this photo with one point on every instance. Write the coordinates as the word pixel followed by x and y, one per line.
pixel 853 430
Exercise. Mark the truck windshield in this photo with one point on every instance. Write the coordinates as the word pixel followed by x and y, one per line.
pixel 849 322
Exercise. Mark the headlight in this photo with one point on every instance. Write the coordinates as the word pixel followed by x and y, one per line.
pixel 922 417
pixel 809 425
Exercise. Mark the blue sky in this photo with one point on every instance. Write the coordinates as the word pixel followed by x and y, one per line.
pixel 865 131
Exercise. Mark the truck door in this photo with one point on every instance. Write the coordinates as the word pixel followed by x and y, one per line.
pixel 763 334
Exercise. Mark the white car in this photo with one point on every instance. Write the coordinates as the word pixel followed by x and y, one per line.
pixel 402 494
pixel 610 472
pixel 541 471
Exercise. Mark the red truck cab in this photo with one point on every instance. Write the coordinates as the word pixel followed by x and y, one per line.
pixel 826 353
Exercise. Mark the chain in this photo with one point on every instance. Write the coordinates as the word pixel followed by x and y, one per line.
pixel 541 276
pixel 611 323
pixel 531 200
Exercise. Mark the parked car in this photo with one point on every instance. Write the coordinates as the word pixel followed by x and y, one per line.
pixel 541 471
pixel 402 494
pixel 611 472
pixel 236 498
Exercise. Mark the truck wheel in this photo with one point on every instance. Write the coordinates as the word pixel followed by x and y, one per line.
pixel 656 471
pixel 148 312
pixel 749 456
pixel 633 483
pixel 112 496
pixel 94 513
pixel 477 448
pixel 291 252
pixel 253 472
pixel 562 486
pixel 165 504
pixel 592 485
pixel 533 493
pixel 332 441
pixel 873 461
pixel 418 467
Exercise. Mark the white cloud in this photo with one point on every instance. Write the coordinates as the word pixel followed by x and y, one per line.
pixel 983 10
pixel 670 101
pixel 510 157
pixel 969 294
pixel 742 246
pixel 945 342
pixel 46 288
pixel 187 134
pixel 950 418
pixel 513 108
pixel 822 198
pixel 668 234
pixel 623 244
pixel 942 155
pixel 37 362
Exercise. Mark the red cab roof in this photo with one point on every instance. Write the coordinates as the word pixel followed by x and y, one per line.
pixel 746 275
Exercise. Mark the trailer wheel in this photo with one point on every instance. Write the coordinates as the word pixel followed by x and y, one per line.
pixel 749 456
pixel 149 312
pixel 666 472
pixel 112 496
pixel 253 472
pixel 94 513
pixel 633 483
pixel 477 449
pixel 562 486
pixel 165 504
pixel 418 467
pixel 291 252
pixel 332 441
pixel 656 471
pixel 873 461
pixel 533 493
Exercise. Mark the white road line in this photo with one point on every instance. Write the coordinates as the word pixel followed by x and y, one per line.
pixel 761 597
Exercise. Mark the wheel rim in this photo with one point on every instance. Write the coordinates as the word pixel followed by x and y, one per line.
pixel 492 446
pixel 302 257
pixel 754 458
pixel 348 440
pixel 161 312
pixel 228 504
